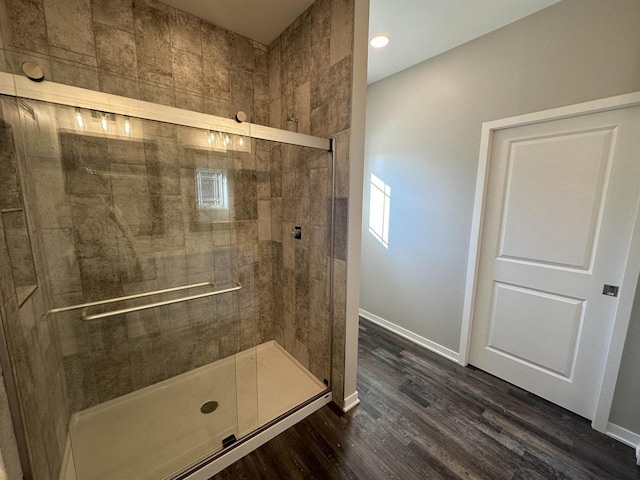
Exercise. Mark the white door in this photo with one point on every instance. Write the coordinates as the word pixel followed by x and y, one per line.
pixel 561 201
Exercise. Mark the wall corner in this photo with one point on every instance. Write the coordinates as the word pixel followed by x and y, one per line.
pixel 356 169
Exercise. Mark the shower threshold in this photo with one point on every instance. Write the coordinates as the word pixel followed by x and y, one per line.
pixel 156 432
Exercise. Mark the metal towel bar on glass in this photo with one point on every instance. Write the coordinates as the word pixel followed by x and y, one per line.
pixel 137 308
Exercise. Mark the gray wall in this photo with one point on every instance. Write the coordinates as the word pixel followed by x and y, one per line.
pixel 423 135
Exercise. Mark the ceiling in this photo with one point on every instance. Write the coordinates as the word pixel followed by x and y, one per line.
pixel 421 29
pixel 261 20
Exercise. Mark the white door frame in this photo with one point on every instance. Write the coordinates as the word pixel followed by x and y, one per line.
pixel 632 268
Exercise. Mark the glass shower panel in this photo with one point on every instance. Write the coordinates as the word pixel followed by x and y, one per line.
pixel 295 366
pixel 201 262
pixel 126 207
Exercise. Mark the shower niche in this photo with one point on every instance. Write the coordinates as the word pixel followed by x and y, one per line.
pixel 16 234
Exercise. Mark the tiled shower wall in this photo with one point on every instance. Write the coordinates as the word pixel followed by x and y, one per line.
pixel 310 73
pixel 300 196
pixel 119 216
pixel 150 51
pixel 32 338
pixel 142 49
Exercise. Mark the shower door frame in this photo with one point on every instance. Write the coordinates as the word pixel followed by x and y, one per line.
pixel 58 93
pixel 18 86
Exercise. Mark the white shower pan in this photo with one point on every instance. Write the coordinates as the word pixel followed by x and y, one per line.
pixel 156 432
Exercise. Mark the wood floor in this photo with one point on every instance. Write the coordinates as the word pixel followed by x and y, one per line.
pixel 424 417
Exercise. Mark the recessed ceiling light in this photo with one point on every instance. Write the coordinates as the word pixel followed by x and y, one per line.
pixel 380 41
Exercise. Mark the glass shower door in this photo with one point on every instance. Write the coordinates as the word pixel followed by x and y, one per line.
pixel 295 366
pixel 123 208
pixel 187 274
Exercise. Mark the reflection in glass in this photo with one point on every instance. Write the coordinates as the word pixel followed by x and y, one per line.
pixel 123 206
pixel 211 189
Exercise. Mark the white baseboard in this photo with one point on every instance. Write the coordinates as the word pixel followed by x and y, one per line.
pixel 625 436
pixel 351 401
pixel 412 337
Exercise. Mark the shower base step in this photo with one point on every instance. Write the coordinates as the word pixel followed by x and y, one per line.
pixel 154 433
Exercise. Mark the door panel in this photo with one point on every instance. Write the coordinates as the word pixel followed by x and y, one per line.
pixel 545 221
pixel 560 204
pixel 521 313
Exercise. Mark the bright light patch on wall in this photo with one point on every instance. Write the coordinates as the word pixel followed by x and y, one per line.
pixel 380 41
pixel 211 189
pixel 126 126
pixel 79 118
pixel 379 203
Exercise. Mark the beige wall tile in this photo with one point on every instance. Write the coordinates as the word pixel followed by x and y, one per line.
pixel 7 287
pixel 116 50
pixel 319 196
pixel 187 71
pixel 147 360
pixel 100 277
pixel 342 163
pixel 77 75
pixel 74 336
pixel 319 122
pixel 151 92
pixel 342 12
pixel 240 51
pixel 339 116
pixel 69 25
pixel 275 114
pixel 216 61
pixel 190 101
pixel 185 32
pixel 217 106
pixel 60 55
pixel 118 85
pixel 10 190
pixel 153 43
pixel 61 261
pixel 26 27
pixel 264 220
pixel 81 382
pixel 302 107
pixel 241 91
pixel 18 245
pixel 51 205
pixel 261 88
pixel 274 71
pixel 115 13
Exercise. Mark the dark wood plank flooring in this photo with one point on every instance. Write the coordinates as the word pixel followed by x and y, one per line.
pixel 424 417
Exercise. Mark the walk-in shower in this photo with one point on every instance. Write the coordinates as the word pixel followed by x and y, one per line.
pixel 175 270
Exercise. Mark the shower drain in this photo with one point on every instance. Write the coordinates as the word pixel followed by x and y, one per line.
pixel 209 407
